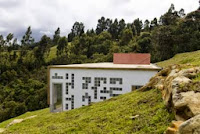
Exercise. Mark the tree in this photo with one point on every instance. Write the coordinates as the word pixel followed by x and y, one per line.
pixel 43 47
pixel 132 27
pixel 77 30
pixel 2 42
pixel 62 46
pixel 163 43
pixel 146 25
pixel 121 26
pixel 113 29
pixel 199 5
pixel 27 39
pixel 181 13
pixel 138 25
pixel 101 25
pixel 56 36
pixel 103 42
pixel 126 37
pixel 154 23
pixel 169 18
pixel 9 37
pixel 144 42
pixel 26 42
pixel 90 32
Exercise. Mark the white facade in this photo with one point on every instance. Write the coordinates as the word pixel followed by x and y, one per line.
pixel 83 85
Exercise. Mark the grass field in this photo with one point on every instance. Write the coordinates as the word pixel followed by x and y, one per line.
pixel 52 53
pixel 110 116
pixel 192 58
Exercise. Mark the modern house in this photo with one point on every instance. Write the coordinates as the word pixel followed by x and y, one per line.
pixel 77 85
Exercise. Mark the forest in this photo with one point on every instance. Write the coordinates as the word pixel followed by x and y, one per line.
pixel 23 66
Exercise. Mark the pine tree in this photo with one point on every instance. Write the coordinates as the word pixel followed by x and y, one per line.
pixel 56 36
pixel 27 39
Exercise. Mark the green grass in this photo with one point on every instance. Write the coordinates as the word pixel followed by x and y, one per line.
pixel 192 58
pixel 52 53
pixel 110 116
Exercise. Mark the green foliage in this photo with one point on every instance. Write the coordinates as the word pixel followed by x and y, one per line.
pixel 144 43
pixel 77 30
pixel 19 96
pixel 163 43
pixel 111 116
pixel 171 17
pixel 56 36
pixel 27 39
pixel 138 26
pixel 126 37
pixel 62 46
pixel 43 47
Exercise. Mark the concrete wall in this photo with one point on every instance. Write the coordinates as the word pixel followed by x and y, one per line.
pixel 112 83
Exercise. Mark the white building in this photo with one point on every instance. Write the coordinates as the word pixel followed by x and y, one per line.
pixel 76 85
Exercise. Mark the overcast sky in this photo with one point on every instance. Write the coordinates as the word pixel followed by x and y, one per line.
pixel 44 16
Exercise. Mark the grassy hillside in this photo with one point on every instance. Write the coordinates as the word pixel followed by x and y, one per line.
pixel 192 58
pixel 110 116
pixel 52 53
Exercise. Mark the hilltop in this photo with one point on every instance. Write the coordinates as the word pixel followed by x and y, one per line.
pixel 136 112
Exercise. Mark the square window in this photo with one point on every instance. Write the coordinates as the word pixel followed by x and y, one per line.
pixel 66 106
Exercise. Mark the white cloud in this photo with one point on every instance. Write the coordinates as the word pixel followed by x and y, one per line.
pixel 44 16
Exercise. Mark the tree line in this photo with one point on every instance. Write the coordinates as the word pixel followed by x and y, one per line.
pixel 23 66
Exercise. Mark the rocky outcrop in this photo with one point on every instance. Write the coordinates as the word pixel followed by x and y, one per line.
pixel 191 126
pixel 181 94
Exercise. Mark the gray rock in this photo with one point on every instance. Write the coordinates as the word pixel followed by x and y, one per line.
pixel 191 126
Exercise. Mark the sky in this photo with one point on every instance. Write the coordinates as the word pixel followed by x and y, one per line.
pixel 45 16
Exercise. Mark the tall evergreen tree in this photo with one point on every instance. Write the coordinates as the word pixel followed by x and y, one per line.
pixel 154 23
pixel 42 49
pixel 113 29
pixel 27 39
pixel 169 18
pixel 146 25
pixel 56 36
pixel 101 25
pixel 121 26
pixel 62 46
pixel 138 25
pixel 77 30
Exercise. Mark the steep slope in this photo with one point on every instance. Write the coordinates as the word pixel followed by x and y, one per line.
pixel 136 112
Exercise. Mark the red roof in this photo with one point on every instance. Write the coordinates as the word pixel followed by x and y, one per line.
pixel 131 58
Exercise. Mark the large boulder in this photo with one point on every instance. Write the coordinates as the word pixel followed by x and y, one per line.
pixel 186 105
pixel 191 126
